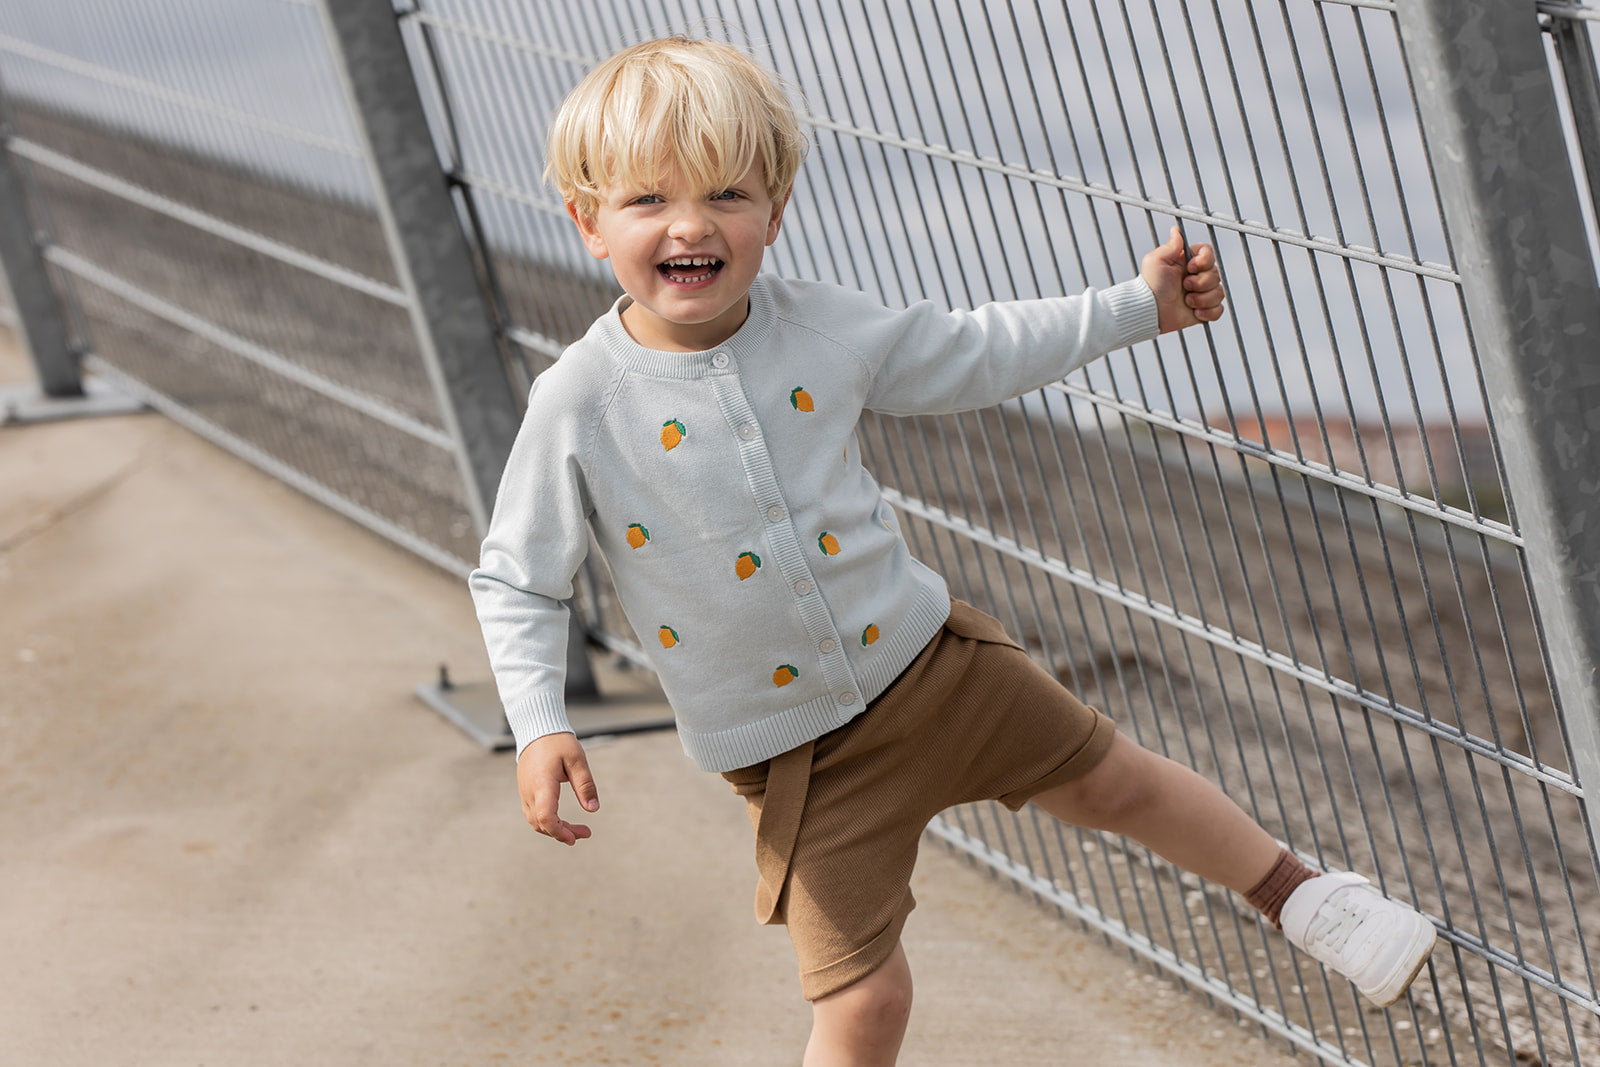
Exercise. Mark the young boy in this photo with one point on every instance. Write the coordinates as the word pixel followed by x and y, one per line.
pixel 703 432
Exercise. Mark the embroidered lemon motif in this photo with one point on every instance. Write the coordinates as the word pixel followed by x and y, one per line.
pixel 828 543
pixel 784 675
pixel 801 399
pixel 869 635
pixel 637 536
pixel 668 635
pixel 746 565
pixel 672 432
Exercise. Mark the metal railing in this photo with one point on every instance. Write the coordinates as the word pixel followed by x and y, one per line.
pixel 1306 551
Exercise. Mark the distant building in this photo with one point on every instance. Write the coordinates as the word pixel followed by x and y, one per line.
pixel 1398 457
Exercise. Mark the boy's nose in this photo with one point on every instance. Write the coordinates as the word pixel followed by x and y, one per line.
pixel 693 223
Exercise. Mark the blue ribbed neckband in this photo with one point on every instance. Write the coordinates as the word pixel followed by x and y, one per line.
pixel 744 344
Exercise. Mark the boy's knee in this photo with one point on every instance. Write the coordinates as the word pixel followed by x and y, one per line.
pixel 1111 794
pixel 878 1003
pixel 890 1002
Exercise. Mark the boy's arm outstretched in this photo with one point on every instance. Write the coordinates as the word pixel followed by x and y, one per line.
pixel 1186 293
pixel 925 361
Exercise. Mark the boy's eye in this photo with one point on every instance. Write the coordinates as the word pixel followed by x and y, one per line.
pixel 726 194
pixel 647 199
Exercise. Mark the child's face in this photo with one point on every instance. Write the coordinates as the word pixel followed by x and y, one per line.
pixel 686 257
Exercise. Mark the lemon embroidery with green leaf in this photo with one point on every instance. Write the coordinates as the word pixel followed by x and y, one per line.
pixel 828 543
pixel 746 565
pixel 637 535
pixel 669 636
pixel 672 432
pixel 784 675
pixel 801 399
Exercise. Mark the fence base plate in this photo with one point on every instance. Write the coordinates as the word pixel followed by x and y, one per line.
pixel 22 404
pixel 475 707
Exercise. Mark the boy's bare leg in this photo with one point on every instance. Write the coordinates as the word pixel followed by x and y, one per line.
pixel 863 1024
pixel 1170 809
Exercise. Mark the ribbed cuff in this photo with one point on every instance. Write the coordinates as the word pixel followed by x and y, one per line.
pixel 1134 306
pixel 1269 895
pixel 534 717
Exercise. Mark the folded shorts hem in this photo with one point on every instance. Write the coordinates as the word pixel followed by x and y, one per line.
pixel 841 974
pixel 1077 765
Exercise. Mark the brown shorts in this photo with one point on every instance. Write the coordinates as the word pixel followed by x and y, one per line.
pixel 838 820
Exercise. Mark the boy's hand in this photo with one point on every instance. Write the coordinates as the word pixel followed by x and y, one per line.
pixel 1186 293
pixel 543 766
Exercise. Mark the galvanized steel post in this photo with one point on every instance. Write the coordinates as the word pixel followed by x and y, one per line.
pixel 453 321
pixel 40 321
pixel 1506 182
pixel 1582 77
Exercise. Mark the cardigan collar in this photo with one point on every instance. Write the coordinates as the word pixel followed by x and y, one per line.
pixel 743 345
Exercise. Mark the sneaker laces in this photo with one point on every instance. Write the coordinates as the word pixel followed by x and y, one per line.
pixel 1337 921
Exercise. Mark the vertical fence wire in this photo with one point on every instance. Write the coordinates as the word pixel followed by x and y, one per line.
pixel 1281 549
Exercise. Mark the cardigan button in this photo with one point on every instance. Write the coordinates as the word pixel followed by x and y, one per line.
pixel 747 431
pixel 828 645
pixel 719 360
pixel 847 699
pixel 774 513
pixel 804 587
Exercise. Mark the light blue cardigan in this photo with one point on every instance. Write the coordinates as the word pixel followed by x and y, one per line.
pixel 752 552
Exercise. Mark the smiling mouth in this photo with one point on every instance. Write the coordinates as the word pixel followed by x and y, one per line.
pixel 687 270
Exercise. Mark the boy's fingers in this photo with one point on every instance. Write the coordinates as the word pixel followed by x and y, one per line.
pixel 1175 244
pixel 583 786
pixel 541 769
pixel 568 833
pixel 546 817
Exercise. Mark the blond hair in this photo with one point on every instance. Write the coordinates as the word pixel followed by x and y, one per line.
pixel 698 109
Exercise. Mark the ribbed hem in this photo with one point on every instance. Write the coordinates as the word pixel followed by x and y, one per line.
pixel 741 746
pixel 534 717
pixel 922 624
pixel 1134 306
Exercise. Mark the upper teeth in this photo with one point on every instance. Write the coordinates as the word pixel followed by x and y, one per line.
pixel 691 261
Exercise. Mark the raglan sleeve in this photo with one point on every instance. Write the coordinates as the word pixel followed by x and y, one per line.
pixel 927 361
pixel 537 540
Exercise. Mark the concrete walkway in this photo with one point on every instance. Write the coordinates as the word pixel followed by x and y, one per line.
pixel 230 834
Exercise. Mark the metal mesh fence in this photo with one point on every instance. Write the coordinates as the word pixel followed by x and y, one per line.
pixel 1282 549
pixel 210 215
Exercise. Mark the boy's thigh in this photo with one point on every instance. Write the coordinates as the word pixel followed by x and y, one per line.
pixel 845 918
pixel 1021 731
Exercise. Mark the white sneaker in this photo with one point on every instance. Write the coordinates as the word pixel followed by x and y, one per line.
pixel 1377 943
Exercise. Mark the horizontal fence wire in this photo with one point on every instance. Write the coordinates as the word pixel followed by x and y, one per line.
pixel 1280 549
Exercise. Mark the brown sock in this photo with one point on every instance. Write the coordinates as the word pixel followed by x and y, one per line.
pixel 1284 878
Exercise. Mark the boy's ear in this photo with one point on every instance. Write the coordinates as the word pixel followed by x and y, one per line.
pixel 592 240
pixel 775 223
